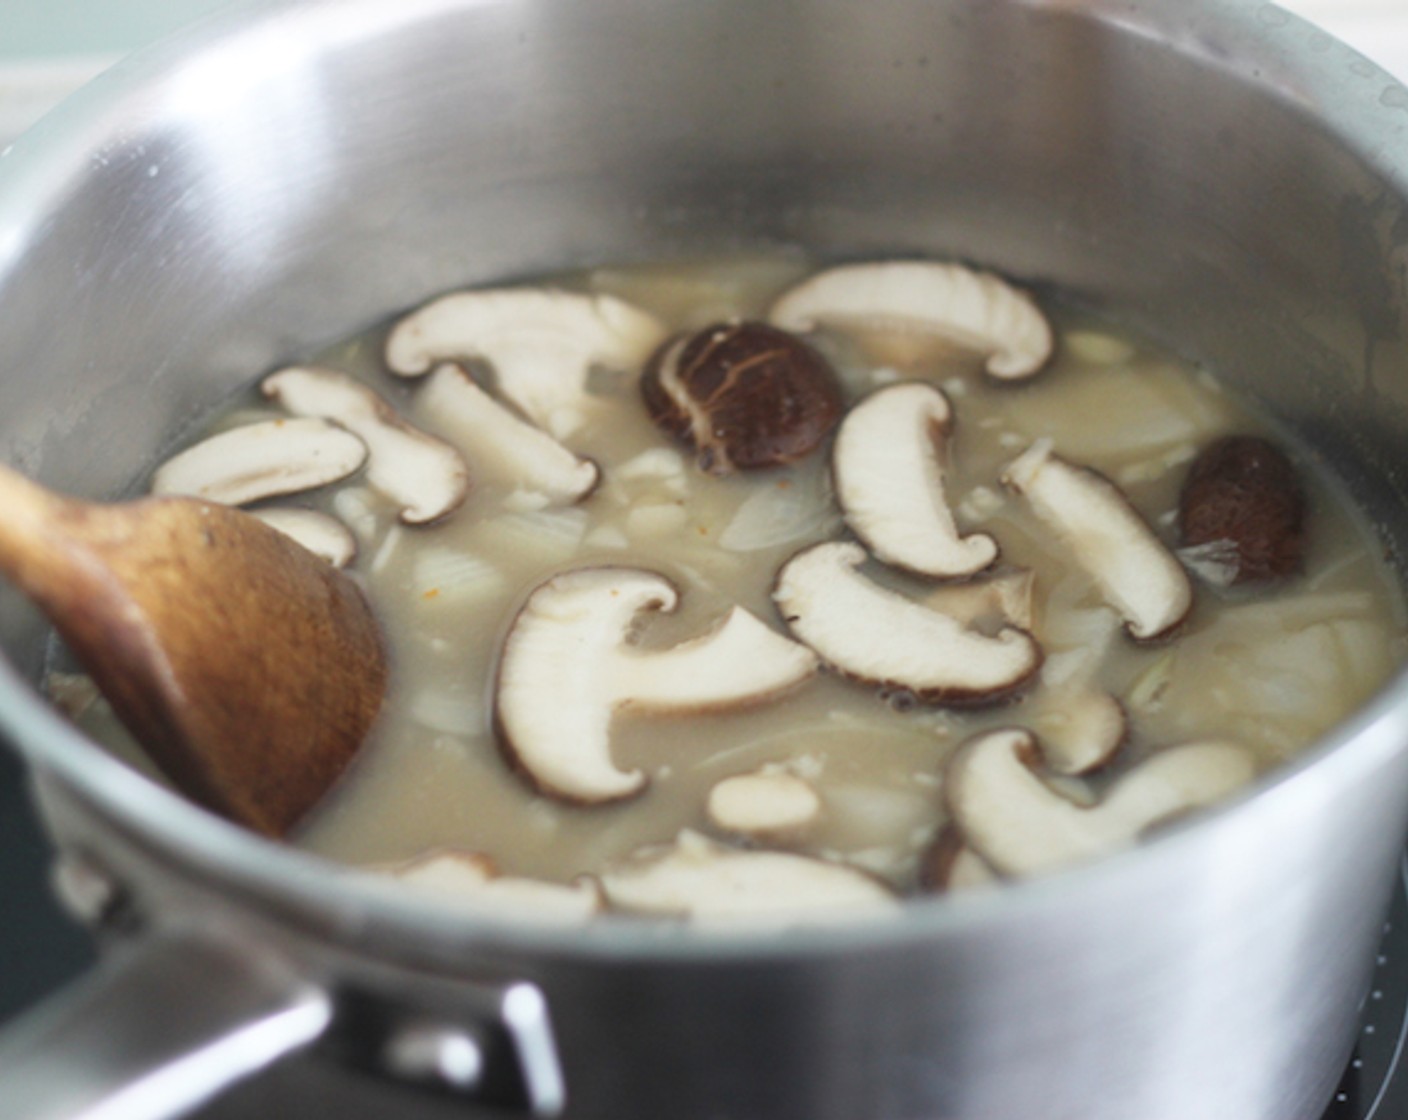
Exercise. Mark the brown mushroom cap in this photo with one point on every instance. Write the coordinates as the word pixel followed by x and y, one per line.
pixel 744 395
pixel 1242 491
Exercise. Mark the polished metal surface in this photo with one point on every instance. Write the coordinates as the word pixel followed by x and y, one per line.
pixel 1214 172
pixel 191 1010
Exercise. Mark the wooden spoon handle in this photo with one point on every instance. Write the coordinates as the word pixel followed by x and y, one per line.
pixel 35 534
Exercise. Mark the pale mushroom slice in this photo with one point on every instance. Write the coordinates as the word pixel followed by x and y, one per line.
pixel 472 880
pixel 425 476
pixel 711 884
pixel 1021 826
pixel 263 460
pixel 888 463
pixel 496 438
pixel 1082 726
pixel 767 804
pixel 995 600
pixel 319 533
pixel 541 343
pixel 976 309
pixel 1090 515
pixel 950 865
pixel 878 636
pixel 568 666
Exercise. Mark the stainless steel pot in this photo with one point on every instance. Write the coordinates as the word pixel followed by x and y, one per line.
pixel 1215 172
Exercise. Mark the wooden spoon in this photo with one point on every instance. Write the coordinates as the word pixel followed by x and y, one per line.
pixel 248 668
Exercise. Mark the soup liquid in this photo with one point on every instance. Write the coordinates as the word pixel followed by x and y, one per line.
pixel 1270 669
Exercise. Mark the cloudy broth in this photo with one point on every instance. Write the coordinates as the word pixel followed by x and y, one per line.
pixel 1269 668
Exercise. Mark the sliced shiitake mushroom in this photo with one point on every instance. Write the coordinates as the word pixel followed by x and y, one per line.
pixel 951 865
pixel 426 476
pixel 1135 572
pixel 1002 599
pixel 1082 726
pixel 880 637
pixel 1021 826
pixel 767 804
pixel 493 435
pixel 319 533
pixel 541 343
pixel 712 884
pixel 744 395
pixel 473 879
pixel 975 309
pixel 568 666
pixel 1244 500
pixel 262 460
pixel 889 471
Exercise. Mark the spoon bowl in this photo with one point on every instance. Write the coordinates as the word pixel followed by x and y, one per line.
pixel 249 669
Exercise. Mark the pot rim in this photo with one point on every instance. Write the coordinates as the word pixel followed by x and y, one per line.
pixel 1270 47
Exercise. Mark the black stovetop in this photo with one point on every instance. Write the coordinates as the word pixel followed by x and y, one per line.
pixel 41 948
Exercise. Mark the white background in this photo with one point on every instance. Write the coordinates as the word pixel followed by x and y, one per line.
pixel 1376 28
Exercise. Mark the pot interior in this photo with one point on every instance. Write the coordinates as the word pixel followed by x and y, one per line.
pixel 198 217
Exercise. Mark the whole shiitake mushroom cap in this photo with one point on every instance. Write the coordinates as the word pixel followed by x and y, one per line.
pixel 1243 492
pixel 745 395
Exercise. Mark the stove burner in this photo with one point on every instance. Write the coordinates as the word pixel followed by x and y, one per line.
pixel 1375 1086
